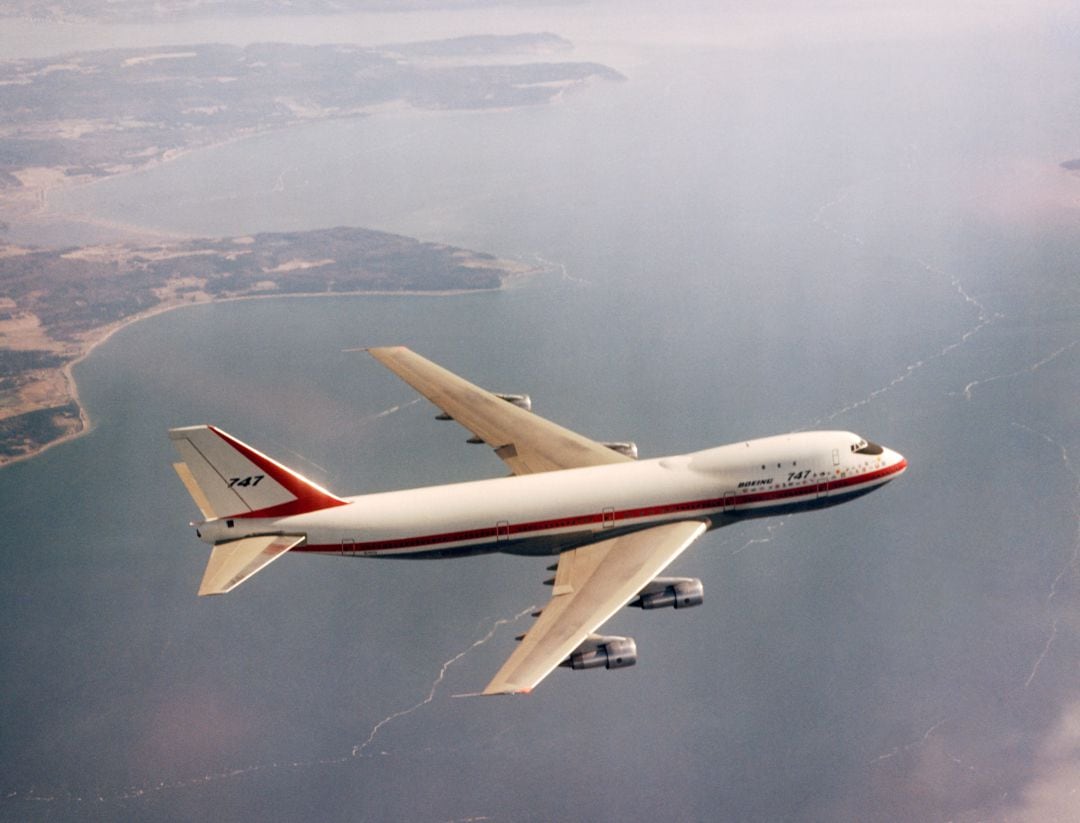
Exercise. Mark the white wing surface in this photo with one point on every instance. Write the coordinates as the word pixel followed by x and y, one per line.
pixel 524 441
pixel 591 584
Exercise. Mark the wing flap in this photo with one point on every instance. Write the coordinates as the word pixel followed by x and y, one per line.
pixel 234 562
pixel 591 584
pixel 524 441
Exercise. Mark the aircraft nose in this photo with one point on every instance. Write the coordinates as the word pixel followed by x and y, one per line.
pixel 895 461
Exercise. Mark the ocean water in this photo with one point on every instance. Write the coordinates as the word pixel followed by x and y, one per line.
pixel 735 246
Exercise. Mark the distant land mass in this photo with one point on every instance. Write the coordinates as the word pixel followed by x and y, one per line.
pixel 116 11
pixel 89 115
pixel 1071 165
pixel 57 304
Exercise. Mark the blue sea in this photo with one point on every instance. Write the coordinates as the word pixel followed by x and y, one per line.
pixel 733 243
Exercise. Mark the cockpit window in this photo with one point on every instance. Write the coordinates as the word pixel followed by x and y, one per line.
pixel 866 447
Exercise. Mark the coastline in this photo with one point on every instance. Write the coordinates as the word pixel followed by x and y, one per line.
pixel 106 332
pixel 72 388
pixel 36 208
pixel 30 204
pixel 33 204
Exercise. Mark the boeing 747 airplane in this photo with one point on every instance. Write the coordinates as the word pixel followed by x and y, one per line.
pixel 614 522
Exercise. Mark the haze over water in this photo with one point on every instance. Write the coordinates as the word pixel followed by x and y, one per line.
pixel 860 232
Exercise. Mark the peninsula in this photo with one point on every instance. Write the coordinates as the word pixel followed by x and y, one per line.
pixel 57 304
pixel 88 115
pixel 139 11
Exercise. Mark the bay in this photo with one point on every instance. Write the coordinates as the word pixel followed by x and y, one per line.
pixel 724 261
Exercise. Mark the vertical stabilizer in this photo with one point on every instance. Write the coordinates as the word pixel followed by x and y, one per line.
pixel 228 478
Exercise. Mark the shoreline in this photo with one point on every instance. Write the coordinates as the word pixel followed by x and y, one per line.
pixel 31 204
pixel 43 212
pixel 35 205
pixel 38 209
pixel 86 424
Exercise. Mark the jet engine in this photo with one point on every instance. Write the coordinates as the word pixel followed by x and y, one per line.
pixel 675 592
pixel 608 651
pixel 628 448
pixel 522 401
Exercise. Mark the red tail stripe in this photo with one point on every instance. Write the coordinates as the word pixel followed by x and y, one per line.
pixel 309 496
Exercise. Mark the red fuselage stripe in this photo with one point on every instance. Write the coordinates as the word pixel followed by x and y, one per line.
pixel 693 506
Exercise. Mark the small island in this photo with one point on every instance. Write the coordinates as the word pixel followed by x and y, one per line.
pixel 57 304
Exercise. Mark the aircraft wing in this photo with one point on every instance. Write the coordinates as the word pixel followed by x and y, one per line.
pixel 526 442
pixel 591 584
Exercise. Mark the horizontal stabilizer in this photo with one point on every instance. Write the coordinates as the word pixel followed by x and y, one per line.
pixel 234 562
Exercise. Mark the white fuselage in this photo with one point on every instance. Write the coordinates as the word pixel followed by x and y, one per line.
pixel 554 511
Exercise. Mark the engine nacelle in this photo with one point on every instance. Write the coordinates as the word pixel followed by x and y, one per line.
pixel 609 652
pixel 522 401
pixel 628 448
pixel 670 592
